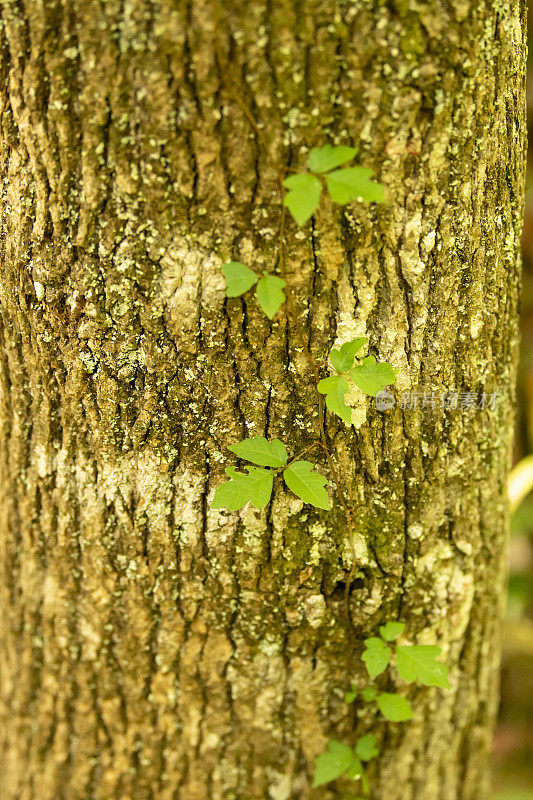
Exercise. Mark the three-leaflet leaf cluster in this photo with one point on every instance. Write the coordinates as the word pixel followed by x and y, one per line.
pixel 369 376
pixel 413 663
pixel 256 485
pixel 269 289
pixel 343 185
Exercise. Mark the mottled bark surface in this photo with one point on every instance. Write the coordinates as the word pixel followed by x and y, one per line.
pixel 152 647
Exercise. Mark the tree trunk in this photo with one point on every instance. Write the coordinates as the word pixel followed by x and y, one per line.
pixel 154 647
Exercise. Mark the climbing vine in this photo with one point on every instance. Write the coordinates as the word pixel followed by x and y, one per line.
pixel 412 663
pixel 302 198
pixel 268 461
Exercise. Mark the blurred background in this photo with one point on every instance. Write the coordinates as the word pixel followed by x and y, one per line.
pixel 513 740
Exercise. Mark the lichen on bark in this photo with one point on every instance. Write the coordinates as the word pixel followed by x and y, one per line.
pixel 153 647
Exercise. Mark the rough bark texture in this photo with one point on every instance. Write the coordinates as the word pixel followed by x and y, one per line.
pixel 152 647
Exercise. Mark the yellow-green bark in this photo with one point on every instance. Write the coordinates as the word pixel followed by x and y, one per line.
pixel 155 649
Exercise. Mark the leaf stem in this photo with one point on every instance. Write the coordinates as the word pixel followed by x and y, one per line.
pixel 303 452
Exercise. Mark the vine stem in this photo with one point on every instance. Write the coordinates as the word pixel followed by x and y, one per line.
pixel 292 315
pixel 302 453
pixel 259 133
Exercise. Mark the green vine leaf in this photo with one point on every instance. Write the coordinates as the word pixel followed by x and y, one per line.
pixel 254 488
pixel 355 769
pixel 418 663
pixel 239 278
pixel 376 656
pixel 335 388
pixel 322 159
pixel 394 707
pixel 336 760
pixel 260 451
pixel 353 183
pixel 343 359
pixel 350 696
pixel 369 694
pixel 391 630
pixel 270 295
pixel 370 377
pixel 366 747
pixel 303 196
pixel 306 484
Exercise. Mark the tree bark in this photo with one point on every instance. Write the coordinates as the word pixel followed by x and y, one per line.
pixel 154 648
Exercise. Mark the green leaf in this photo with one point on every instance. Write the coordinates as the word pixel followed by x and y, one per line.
pixel 260 451
pixel 369 694
pixel 335 388
pixel 307 485
pixel 391 630
pixel 371 377
pixel 269 293
pixel 394 707
pixel 354 770
pixel 333 762
pixel 376 656
pixel 254 488
pixel 342 359
pixel 353 183
pixel 350 696
pixel 418 663
pixel 238 278
pixel 322 159
pixel 366 747
pixel 303 196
